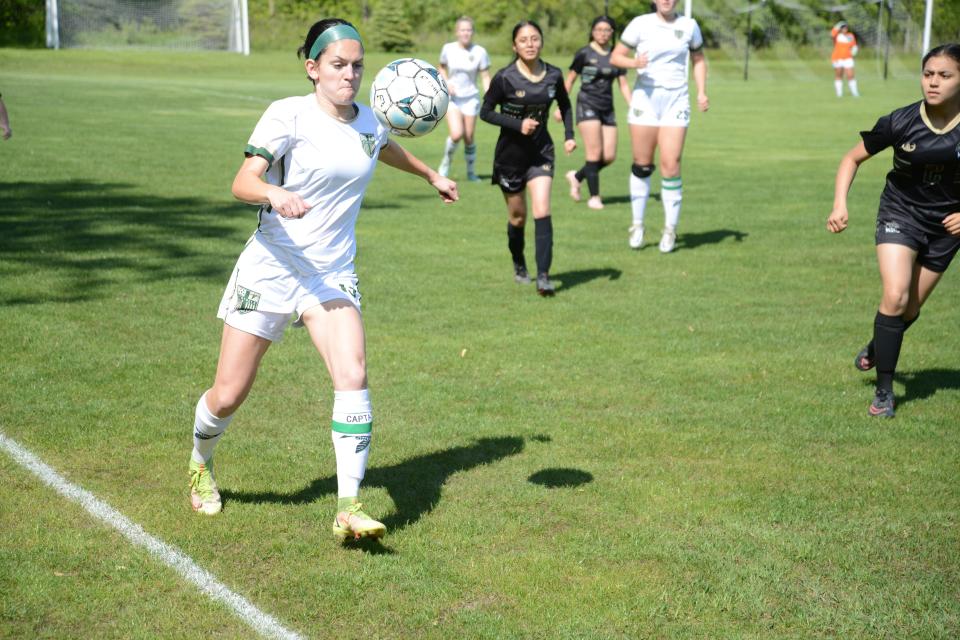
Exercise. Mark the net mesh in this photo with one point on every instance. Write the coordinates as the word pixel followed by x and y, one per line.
pixel 169 24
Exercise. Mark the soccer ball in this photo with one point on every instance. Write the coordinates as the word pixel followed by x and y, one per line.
pixel 409 97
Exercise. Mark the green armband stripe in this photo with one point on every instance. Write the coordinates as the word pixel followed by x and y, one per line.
pixel 259 151
pixel 341 427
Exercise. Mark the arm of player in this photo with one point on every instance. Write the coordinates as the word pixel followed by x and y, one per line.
pixel 700 78
pixel 488 110
pixel 568 85
pixel 563 102
pixel 622 57
pixel 485 80
pixel 846 172
pixel 249 187
pixel 625 89
pixel 392 154
pixel 446 78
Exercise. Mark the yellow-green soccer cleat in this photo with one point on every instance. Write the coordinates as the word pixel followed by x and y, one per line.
pixel 204 496
pixel 353 522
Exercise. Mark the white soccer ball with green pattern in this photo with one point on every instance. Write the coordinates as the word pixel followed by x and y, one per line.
pixel 409 97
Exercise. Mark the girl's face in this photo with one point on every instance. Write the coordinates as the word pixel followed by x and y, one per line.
pixel 941 81
pixel 464 32
pixel 528 44
pixel 338 72
pixel 666 7
pixel 602 33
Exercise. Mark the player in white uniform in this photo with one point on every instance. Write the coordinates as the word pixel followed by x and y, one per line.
pixel 308 163
pixel 660 107
pixel 460 63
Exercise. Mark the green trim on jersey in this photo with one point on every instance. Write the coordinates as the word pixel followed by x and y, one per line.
pixel 342 427
pixel 259 151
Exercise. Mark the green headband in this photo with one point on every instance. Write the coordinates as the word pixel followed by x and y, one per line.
pixel 337 32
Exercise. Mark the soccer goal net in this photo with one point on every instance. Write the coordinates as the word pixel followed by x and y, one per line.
pixel 794 29
pixel 166 24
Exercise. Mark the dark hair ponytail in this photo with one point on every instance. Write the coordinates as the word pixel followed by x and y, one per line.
pixel 610 21
pixel 950 50
pixel 314 33
pixel 521 25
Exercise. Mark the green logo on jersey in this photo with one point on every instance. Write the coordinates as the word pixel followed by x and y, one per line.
pixel 368 142
pixel 678 33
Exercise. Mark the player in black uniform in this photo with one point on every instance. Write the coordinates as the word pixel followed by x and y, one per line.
pixel 918 225
pixel 596 119
pixel 524 157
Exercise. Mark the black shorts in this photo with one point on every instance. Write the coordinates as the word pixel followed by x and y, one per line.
pixel 934 250
pixel 607 117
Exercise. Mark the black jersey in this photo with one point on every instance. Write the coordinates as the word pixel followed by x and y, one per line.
pixel 924 183
pixel 597 76
pixel 520 97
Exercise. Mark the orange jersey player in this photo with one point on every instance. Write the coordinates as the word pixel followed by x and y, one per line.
pixel 844 49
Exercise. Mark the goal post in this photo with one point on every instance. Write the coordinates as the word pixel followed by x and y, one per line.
pixel 149 24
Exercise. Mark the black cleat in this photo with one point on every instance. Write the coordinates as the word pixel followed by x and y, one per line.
pixel 882 405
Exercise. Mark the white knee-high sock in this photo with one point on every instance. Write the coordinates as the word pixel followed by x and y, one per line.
pixel 838 85
pixel 639 193
pixel 671 194
pixel 351 429
pixel 853 88
pixel 450 148
pixel 207 430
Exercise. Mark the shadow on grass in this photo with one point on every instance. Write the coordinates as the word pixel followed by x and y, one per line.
pixel 75 238
pixel 414 485
pixel 919 385
pixel 694 240
pixel 558 477
pixel 569 279
pixel 626 199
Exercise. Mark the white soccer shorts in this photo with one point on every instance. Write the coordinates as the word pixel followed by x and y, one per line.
pixel 264 294
pixel 843 63
pixel 467 106
pixel 659 107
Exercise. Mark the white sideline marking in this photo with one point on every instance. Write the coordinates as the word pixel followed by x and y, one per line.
pixel 177 560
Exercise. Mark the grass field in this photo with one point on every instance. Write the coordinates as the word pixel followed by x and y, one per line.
pixel 673 447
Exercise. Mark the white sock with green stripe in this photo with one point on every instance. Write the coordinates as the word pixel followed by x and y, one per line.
pixel 350 430
pixel 671 194
pixel 207 429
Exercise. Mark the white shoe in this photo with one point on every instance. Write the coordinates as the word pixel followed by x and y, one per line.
pixel 668 240
pixel 636 236
pixel 595 203
pixel 444 166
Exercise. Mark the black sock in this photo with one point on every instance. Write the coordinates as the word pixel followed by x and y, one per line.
pixel 592 171
pixel 871 350
pixel 544 240
pixel 581 172
pixel 515 244
pixel 887 339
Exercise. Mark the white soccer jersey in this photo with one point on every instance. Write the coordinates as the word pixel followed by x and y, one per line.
pixel 462 67
pixel 666 45
pixel 328 163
